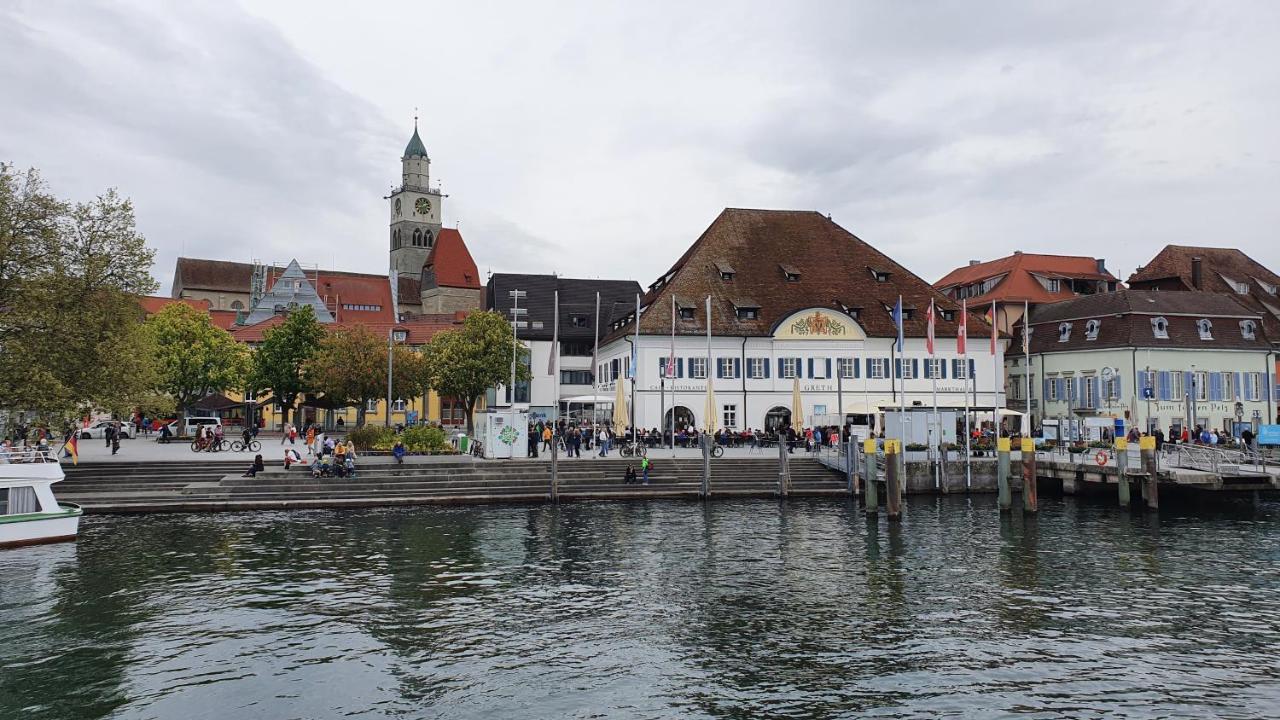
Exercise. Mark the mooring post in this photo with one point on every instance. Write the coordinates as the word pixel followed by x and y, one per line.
pixel 1002 474
pixel 782 465
pixel 892 480
pixel 707 439
pixel 555 478
pixel 1030 503
pixel 1122 471
pixel 869 473
pixel 1147 446
pixel 851 464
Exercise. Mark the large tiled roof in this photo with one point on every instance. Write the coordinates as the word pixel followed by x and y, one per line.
pixel 1019 273
pixel 449 264
pixel 577 298
pixel 1170 269
pixel 1125 320
pixel 152 304
pixel 836 270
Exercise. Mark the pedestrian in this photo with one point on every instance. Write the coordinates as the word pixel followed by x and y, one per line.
pixel 108 432
pixel 629 477
pixel 644 468
pixel 575 444
pixel 115 442
pixel 546 437
pixel 397 452
pixel 257 467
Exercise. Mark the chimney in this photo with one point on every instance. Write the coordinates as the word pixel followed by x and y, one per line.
pixel 1102 266
pixel 1195 273
pixel 974 262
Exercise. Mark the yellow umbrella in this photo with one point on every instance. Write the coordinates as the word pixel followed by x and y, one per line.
pixel 797 410
pixel 619 410
pixel 711 408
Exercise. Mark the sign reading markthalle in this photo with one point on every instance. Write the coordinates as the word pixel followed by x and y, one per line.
pixel 818 324
pixel 1269 434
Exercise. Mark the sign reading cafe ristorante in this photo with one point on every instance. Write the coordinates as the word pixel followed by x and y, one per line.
pixel 818 324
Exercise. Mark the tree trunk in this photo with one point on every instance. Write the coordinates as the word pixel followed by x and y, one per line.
pixel 470 405
pixel 360 413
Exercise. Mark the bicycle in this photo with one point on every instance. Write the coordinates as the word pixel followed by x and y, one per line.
pixel 717 451
pixel 630 449
pixel 251 446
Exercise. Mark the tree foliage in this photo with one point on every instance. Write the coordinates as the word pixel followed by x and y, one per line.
pixel 466 362
pixel 70 277
pixel 278 363
pixel 350 367
pixel 194 356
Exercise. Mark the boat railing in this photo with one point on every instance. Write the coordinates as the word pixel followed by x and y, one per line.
pixel 28 455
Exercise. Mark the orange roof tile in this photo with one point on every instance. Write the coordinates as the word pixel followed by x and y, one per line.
pixel 1019 272
pixel 152 304
pixel 419 329
pixel 449 264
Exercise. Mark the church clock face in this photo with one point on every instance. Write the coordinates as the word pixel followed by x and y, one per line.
pixel 423 206
pixel 397 207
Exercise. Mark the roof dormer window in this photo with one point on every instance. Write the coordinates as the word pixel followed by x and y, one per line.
pixel 686 313
pixel 790 273
pixel 1064 332
pixel 726 271
pixel 1091 329
pixel 1205 326
pixel 880 274
pixel 948 315
pixel 400 335
pixel 1248 330
pixel 1160 328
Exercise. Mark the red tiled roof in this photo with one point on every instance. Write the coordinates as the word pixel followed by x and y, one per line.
pixel 152 304
pixel 225 319
pixel 449 264
pixel 836 269
pixel 419 328
pixel 1020 271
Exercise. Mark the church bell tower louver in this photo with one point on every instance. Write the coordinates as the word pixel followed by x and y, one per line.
pixel 415 210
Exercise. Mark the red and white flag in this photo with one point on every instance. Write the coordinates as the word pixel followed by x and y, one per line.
pixel 928 341
pixel 995 334
pixel 962 333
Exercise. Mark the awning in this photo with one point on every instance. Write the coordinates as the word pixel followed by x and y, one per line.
pixel 593 399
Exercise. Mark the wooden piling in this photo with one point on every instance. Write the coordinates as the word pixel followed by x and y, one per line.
pixel 892 480
pixel 869 476
pixel 1002 474
pixel 1030 502
pixel 1147 445
pixel 1122 470
pixel 705 490
pixel 555 473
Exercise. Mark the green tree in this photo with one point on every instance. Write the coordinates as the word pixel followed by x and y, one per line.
pixel 350 367
pixel 278 363
pixel 466 362
pixel 70 277
pixel 194 356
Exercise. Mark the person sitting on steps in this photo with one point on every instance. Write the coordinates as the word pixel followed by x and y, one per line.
pixel 629 477
pixel 398 452
pixel 256 467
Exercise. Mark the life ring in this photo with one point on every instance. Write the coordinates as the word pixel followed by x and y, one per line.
pixel 1100 458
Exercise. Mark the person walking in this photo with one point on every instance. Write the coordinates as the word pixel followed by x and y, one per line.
pixel 547 435
pixel 644 469
pixel 284 435
pixel 115 440
pixel 107 433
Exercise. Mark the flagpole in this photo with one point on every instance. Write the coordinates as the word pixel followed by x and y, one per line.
pixel 933 372
pixel 671 362
pixel 902 399
pixel 1026 358
pixel 996 374
pixel 964 360
pixel 595 379
pixel 553 363
pixel 635 355
pixel 710 406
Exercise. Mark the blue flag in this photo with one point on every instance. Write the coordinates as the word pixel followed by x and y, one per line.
pixel 897 320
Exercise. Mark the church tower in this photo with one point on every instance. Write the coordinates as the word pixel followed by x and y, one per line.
pixel 415 210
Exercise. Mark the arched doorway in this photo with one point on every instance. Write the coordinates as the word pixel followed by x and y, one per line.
pixel 684 419
pixel 776 418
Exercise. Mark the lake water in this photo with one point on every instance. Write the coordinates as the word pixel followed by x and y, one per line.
pixel 649 610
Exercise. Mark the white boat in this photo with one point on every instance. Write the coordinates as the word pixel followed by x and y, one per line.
pixel 28 512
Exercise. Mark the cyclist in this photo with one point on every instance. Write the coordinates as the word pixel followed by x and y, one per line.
pixel 246 436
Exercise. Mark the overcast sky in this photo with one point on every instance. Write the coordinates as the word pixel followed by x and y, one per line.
pixel 599 139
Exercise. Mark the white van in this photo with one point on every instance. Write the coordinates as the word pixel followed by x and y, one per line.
pixel 192 424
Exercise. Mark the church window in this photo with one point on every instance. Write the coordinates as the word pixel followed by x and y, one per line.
pixel 417 238
pixel 426 238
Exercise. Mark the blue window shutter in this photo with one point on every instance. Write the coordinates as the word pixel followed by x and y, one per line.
pixel 767 365
pixel 679 367
pixel 719 369
pixel 828 362
pixel 888 368
pixel 1215 386
pixel 856 369
pixel 942 367
pixel 915 367
pixel 800 367
pixel 1059 389
pixel 1239 386
pixel 973 368
pixel 781 362
pixel 810 367
pixel 928 370
pixel 897 367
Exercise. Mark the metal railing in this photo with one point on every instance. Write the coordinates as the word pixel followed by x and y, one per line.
pixel 28 455
pixel 1215 460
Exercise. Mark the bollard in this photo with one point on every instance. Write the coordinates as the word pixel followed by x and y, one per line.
pixel 892 481
pixel 1002 474
pixel 555 474
pixel 1122 470
pixel 1030 503
pixel 869 480
pixel 1151 489
pixel 705 491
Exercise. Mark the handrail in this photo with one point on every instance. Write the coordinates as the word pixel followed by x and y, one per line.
pixel 28 455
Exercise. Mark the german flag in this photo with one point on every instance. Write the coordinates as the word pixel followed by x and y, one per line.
pixel 73 448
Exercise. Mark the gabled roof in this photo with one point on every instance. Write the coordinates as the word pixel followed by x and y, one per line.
pixel 1170 269
pixel 152 304
pixel 449 264
pixel 832 264
pixel 577 299
pixel 1019 272
pixel 1125 318
pixel 292 289
pixel 419 329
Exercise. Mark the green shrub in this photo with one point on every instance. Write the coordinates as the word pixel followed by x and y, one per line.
pixel 372 437
pixel 917 446
pixel 425 439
